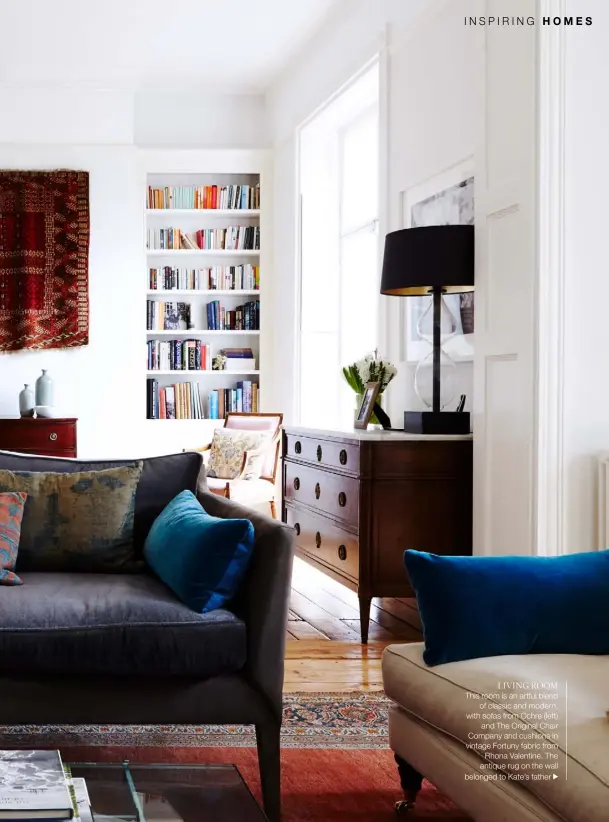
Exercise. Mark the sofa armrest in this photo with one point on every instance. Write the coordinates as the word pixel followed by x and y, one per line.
pixel 264 599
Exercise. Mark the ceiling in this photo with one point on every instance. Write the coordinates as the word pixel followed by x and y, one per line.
pixel 224 45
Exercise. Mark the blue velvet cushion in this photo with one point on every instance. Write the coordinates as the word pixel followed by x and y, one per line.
pixel 488 606
pixel 201 558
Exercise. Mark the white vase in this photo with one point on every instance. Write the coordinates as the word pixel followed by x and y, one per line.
pixel 26 401
pixel 44 389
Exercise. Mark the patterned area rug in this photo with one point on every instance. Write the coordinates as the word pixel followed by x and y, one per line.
pixel 345 720
pixel 44 247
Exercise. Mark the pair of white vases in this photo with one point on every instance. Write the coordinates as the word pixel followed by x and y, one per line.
pixel 37 399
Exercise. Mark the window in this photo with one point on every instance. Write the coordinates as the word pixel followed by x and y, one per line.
pixel 338 152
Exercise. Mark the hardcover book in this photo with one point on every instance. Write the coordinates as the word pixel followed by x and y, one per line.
pixel 33 786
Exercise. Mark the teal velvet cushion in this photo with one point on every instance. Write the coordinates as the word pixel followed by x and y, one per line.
pixel 203 559
pixel 489 606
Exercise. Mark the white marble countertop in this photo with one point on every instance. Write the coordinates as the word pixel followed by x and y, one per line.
pixel 373 434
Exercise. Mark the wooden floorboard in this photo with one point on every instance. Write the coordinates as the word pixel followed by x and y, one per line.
pixel 323 650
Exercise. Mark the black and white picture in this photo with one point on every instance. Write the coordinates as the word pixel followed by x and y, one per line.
pixel 34 778
pixel 447 199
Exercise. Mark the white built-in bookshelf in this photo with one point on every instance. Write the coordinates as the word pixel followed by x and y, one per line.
pixel 203 294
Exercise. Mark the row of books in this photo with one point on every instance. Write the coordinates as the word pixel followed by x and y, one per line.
pixel 243 398
pixel 179 355
pixel 37 785
pixel 231 238
pixel 194 355
pixel 244 317
pixel 217 277
pixel 162 316
pixel 226 197
pixel 190 401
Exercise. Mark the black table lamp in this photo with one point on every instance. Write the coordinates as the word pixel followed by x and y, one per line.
pixel 431 260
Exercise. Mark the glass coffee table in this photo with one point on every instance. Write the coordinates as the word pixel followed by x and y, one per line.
pixel 167 793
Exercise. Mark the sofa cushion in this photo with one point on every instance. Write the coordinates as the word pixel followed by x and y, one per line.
pixel 162 479
pixel 113 625
pixel 11 516
pixel 203 559
pixel 468 609
pixel 441 697
pixel 76 522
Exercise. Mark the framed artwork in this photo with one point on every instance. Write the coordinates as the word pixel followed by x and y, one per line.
pixel 367 405
pixel 445 199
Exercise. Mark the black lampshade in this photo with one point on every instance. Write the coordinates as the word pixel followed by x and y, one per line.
pixel 417 259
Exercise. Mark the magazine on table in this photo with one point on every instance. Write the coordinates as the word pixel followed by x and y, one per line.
pixel 33 786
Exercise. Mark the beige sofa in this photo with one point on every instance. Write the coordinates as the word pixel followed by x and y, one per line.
pixel 434 716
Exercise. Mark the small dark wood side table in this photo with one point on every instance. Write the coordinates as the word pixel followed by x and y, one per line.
pixel 358 499
pixel 40 435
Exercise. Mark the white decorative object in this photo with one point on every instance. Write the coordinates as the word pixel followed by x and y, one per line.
pixel 46 411
pixel 44 389
pixel 26 401
pixel 445 199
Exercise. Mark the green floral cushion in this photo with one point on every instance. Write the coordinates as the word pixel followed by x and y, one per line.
pixel 76 522
pixel 228 449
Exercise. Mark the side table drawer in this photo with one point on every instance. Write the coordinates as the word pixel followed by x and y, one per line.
pixel 38 436
pixel 327 453
pixel 333 494
pixel 323 541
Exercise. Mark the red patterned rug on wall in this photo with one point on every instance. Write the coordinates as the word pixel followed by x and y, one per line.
pixel 44 249
pixel 336 763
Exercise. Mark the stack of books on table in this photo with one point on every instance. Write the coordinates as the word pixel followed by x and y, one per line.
pixel 35 785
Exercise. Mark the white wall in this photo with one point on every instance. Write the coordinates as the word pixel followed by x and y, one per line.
pixel 585 378
pixel 102 384
pixel 431 80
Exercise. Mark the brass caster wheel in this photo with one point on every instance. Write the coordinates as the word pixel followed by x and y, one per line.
pixel 403 807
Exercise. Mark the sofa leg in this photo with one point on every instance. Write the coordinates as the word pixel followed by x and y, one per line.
pixel 269 763
pixel 411 782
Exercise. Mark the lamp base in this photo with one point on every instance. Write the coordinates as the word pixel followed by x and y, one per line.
pixel 431 422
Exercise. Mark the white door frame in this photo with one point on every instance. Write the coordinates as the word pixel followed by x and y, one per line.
pixel 550 489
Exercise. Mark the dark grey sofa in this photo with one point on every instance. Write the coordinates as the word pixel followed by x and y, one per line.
pixel 121 649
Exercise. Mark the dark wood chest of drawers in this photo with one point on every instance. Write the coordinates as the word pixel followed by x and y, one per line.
pixel 358 500
pixel 46 437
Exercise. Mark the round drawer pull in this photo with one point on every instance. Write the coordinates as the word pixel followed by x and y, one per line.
pixel 318 539
pixel 342 552
pixel 297 528
pixel 319 453
pixel 317 490
pixel 53 437
pixel 343 457
pixel 297 447
pixel 296 483
pixel 342 499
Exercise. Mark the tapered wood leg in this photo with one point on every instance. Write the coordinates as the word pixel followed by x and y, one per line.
pixel 364 617
pixel 267 741
pixel 273 509
pixel 411 782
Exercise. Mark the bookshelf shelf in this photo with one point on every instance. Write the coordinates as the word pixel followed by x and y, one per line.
pixel 201 373
pixel 199 292
pixel 201 252
pixel 199 392
pixel 203 212
pixel 193 332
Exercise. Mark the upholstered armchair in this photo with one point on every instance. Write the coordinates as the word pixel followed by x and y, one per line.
pixel 251 492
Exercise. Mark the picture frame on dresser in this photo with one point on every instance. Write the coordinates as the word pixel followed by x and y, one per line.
pixel 366 408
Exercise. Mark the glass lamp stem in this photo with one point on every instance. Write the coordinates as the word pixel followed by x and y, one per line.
pixel 437 309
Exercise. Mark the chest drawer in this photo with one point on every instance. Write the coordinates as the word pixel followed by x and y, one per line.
pixel 325 542
pixel 38 436
pixel 333 494
pixel 329 454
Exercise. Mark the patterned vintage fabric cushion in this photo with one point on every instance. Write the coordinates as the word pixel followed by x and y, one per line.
pixel 76 522
pixel 228 448
pixel 11 513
